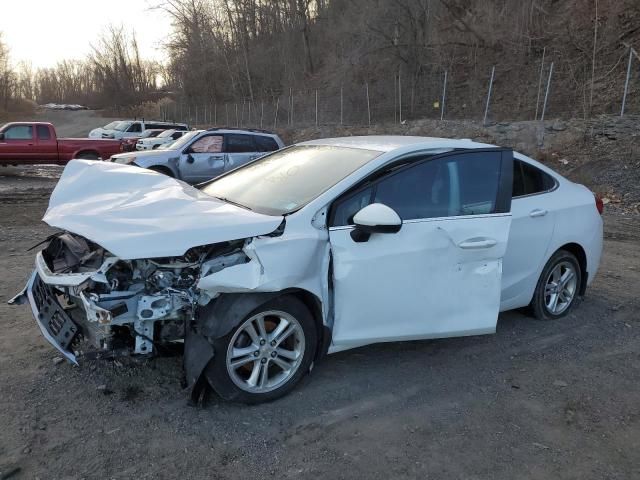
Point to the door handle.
(538, 212)
(477, 243)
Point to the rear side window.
(19, 132)
(265, 144)
(43, 132)
(455, 185)
(135, 127)
(236, 143)
(529, 180)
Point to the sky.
(44, 32)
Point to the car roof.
(388, 143)
(250, 131)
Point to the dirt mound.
(603, 153)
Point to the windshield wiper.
(232, 202)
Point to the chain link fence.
(504, 93)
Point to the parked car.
(320, 247)
(201, 155)
(129, 144)
(37, 142)
(64, 106)
(133, 128)
(164, 138)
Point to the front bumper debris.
(52, 319)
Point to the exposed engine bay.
(124, 307)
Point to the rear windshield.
(288, 179)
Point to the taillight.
(599, 203)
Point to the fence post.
(237, 116)
(261, 112)
(626, 82)
(249, 114)
(486, 107)
(275, 120)
(546, 93)
(196, 114)
(290, 106)
(215, 114)
(368, 105)
(399, 97)
(341, 103)
(444, 96)
(395, 98)
(544, 50)
(316, 107)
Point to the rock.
(101, 387)
(559, 126)
(58, 360)
(560, 383)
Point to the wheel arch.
(227, 311)
(579, 252)
(79, 153)
(221, 316)
(162, 169)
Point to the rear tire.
(558, 287)
(266, 355)
(88, 156)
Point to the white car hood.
(137, 213)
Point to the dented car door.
(203, 160)
(440, 274)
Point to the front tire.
(558, 287)
(266, 355)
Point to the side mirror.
(375, 218)
(1, 135)
(189, 158)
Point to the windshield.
(166, 133)
(287, 180)
(110, 126)
(182, 141)
(121, 126)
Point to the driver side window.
(450, 186)
(207, 144)
(19, 132)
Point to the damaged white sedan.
(320, 247)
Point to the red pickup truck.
(36, 142)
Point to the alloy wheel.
(560, 288)
(265, 351)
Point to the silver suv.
(201, 155)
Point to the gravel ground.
(538, 400)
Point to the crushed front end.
(88, 302)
